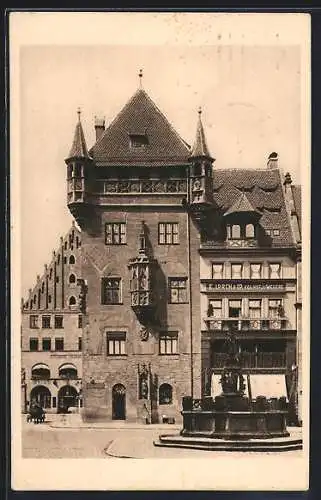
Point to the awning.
(67, 366)
(40, 366)
(270, 386)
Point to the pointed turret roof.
(242, 204)
(79, 147)
(200, 147)
(140, 118)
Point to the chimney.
(273, 161)
(99, 127)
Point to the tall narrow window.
(255, 309)
(115, 233)
(116, 343)
(46, 344)
(59, 344)
(79, 343)
(33, 344)
(168, 233)
(80, 321)
(72, 279)
(71, 259)
(46, 321)
(110, 291)
(236, 232)
(249, 231)
(274, 270)
(168, 343)
(236, 271)
(275, 308)
(59, 321)
(33, 321)
(217, 271)
(255, 271)
(177, 290)
(235, 308)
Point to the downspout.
(190, 284)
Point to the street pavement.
(61, 438)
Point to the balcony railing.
(245, 324)
(253, 360)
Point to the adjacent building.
(51, 340)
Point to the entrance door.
(67, 397)
(119, 402)
(42, 395)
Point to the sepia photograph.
(160, 229)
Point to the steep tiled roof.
(296, 191)
(241, 204)
(79, 147)
(200, 147)
(140, 116)
(264, 192)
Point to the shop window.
(177, 290)
(168, 343)
(116, 343)
(165, 394)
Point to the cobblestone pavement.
(45, 441)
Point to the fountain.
(233, 421)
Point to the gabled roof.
(200, 147)
(242, 204)
(79, 147)
(140, 116)
(263, 189)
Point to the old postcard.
(160, 197)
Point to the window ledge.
(116, 356)
(176, 355)
(115, 304)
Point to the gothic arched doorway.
(42, 395)
(119, 402)
(67, 397)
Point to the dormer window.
(243, 231)
(138, 141)
(249, 231)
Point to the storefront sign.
(236, 287)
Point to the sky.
(249, 94)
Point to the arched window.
(72, 278)
(165, 394)
(68, 371)
(249, 231)
(71, 259)
(42, 287)
(40, 371)
(236, 232)
(72, 301)
(198, 169)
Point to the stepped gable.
(70, 244)
(140, 117)
(263, 189)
